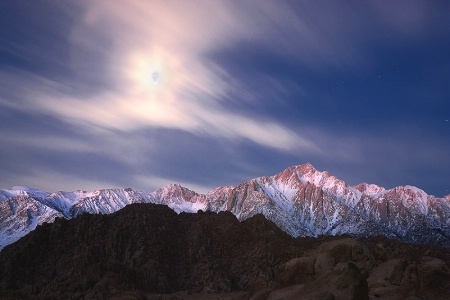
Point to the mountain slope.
(148, 251)
(306, 202)
(300, 200)
(145, 247)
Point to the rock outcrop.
(147, 251)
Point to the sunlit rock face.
(305, 202)
(301, 200)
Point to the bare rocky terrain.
(147, 251)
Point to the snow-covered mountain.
(306, 202)
(300, 200)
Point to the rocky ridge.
(147, 251)
(300, 200)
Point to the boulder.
(389, 272)
(285, 293)
(347, 249)
(324, 263)
(345, 282)
(296, 270)
(434, 278)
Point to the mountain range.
(300, 200)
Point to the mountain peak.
(369, 189)
(175, 190)
(305, 168)
(306, 173)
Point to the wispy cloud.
(160, 74)
(153, 183)
(65, 180)
(156, 62)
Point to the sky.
(140, 94)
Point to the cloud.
(404, 17)
(159, 74)
(153, 183)
(66, 181)
(48, 142)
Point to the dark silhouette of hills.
(147, 251)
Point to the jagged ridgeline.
(147, 251)
(300, 200)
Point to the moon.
(155, 76)
(146, 73)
